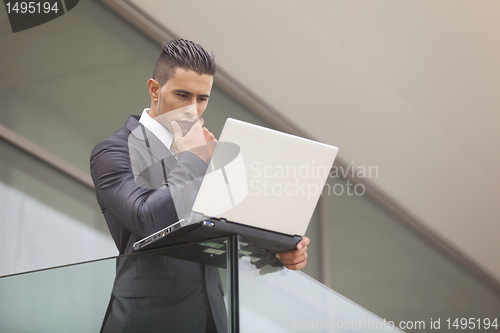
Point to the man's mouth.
(185, 121)
(185, 125)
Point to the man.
(146, 176)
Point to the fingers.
(295, 259)
(177, 129)
(198, 140)
(303, 242)
(196, 126)
(296, 267)
(209, 137)
(296, 262)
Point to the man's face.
(183, 99)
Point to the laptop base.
(214, 228)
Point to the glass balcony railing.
(259, 295)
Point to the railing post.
(232, 261)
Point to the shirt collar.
(161, 132)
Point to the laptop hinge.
(197, 217)
(191, 219)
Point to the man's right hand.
(198, 140)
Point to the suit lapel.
(151, 143)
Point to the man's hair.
(184, 54)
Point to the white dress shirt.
(160, 131)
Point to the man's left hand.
(295, 259)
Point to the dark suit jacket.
(141, 188)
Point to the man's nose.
(190, 110)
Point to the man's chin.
(185, 128)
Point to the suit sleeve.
(140, 209)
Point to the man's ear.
(154, 90)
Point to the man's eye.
(203, 99)
(182, 95)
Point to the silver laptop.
(261, 184)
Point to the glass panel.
(382, 265)
(66, 299)
(75, 298)
(47, 218)
(275, 299)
